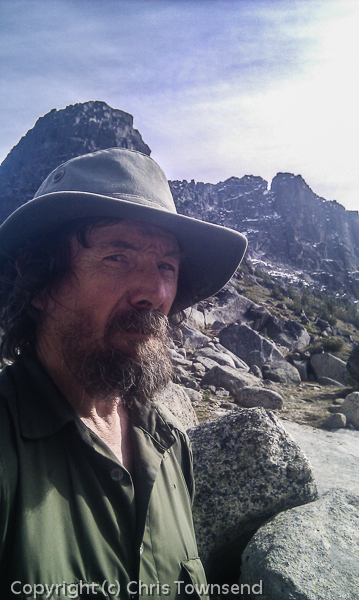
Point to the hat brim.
(212, 253)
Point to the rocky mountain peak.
(292, 192)
(57, 137)
(315, 230)
(288, 226)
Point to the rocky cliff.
(287, 225)
(57, 137)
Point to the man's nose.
(148, 290)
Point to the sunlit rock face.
(315, 230)
(287, 225)
(57, 137)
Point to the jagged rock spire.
(57, 137)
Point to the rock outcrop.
(175, 398)
(247, 468)
(353, 363)
(57, 137)
(290, 334)
(335, 421)
(327, 365)
(281, 372)
(230, 379)
(249, 345)
(287, 224)
(309, 552)
(350, 408)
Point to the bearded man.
(96, 479)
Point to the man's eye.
(167, 267)
(115, 257)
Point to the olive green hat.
(126, 184)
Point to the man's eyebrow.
(175, 254)
(121, 244)
(124, 245)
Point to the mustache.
(146, 322)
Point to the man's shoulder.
(176, 427)
(172, 421)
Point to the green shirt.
(72, 518)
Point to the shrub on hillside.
(332, 344)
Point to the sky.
(217, 88)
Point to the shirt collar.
(149, 418)
(43, 409)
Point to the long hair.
(35, 269)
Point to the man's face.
(111, 307)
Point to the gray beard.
(136, 372)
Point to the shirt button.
(116, 474)
(141, 549)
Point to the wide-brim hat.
(127, 184)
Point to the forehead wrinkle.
(125, 245)
(138, 245)
(118, 245)
(131, 232)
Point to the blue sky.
(217, 87)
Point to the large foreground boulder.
(307, 553)
(247, 469)
(251, 347)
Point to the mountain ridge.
(286, 224)
(290, 228)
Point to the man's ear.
(40, 301)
